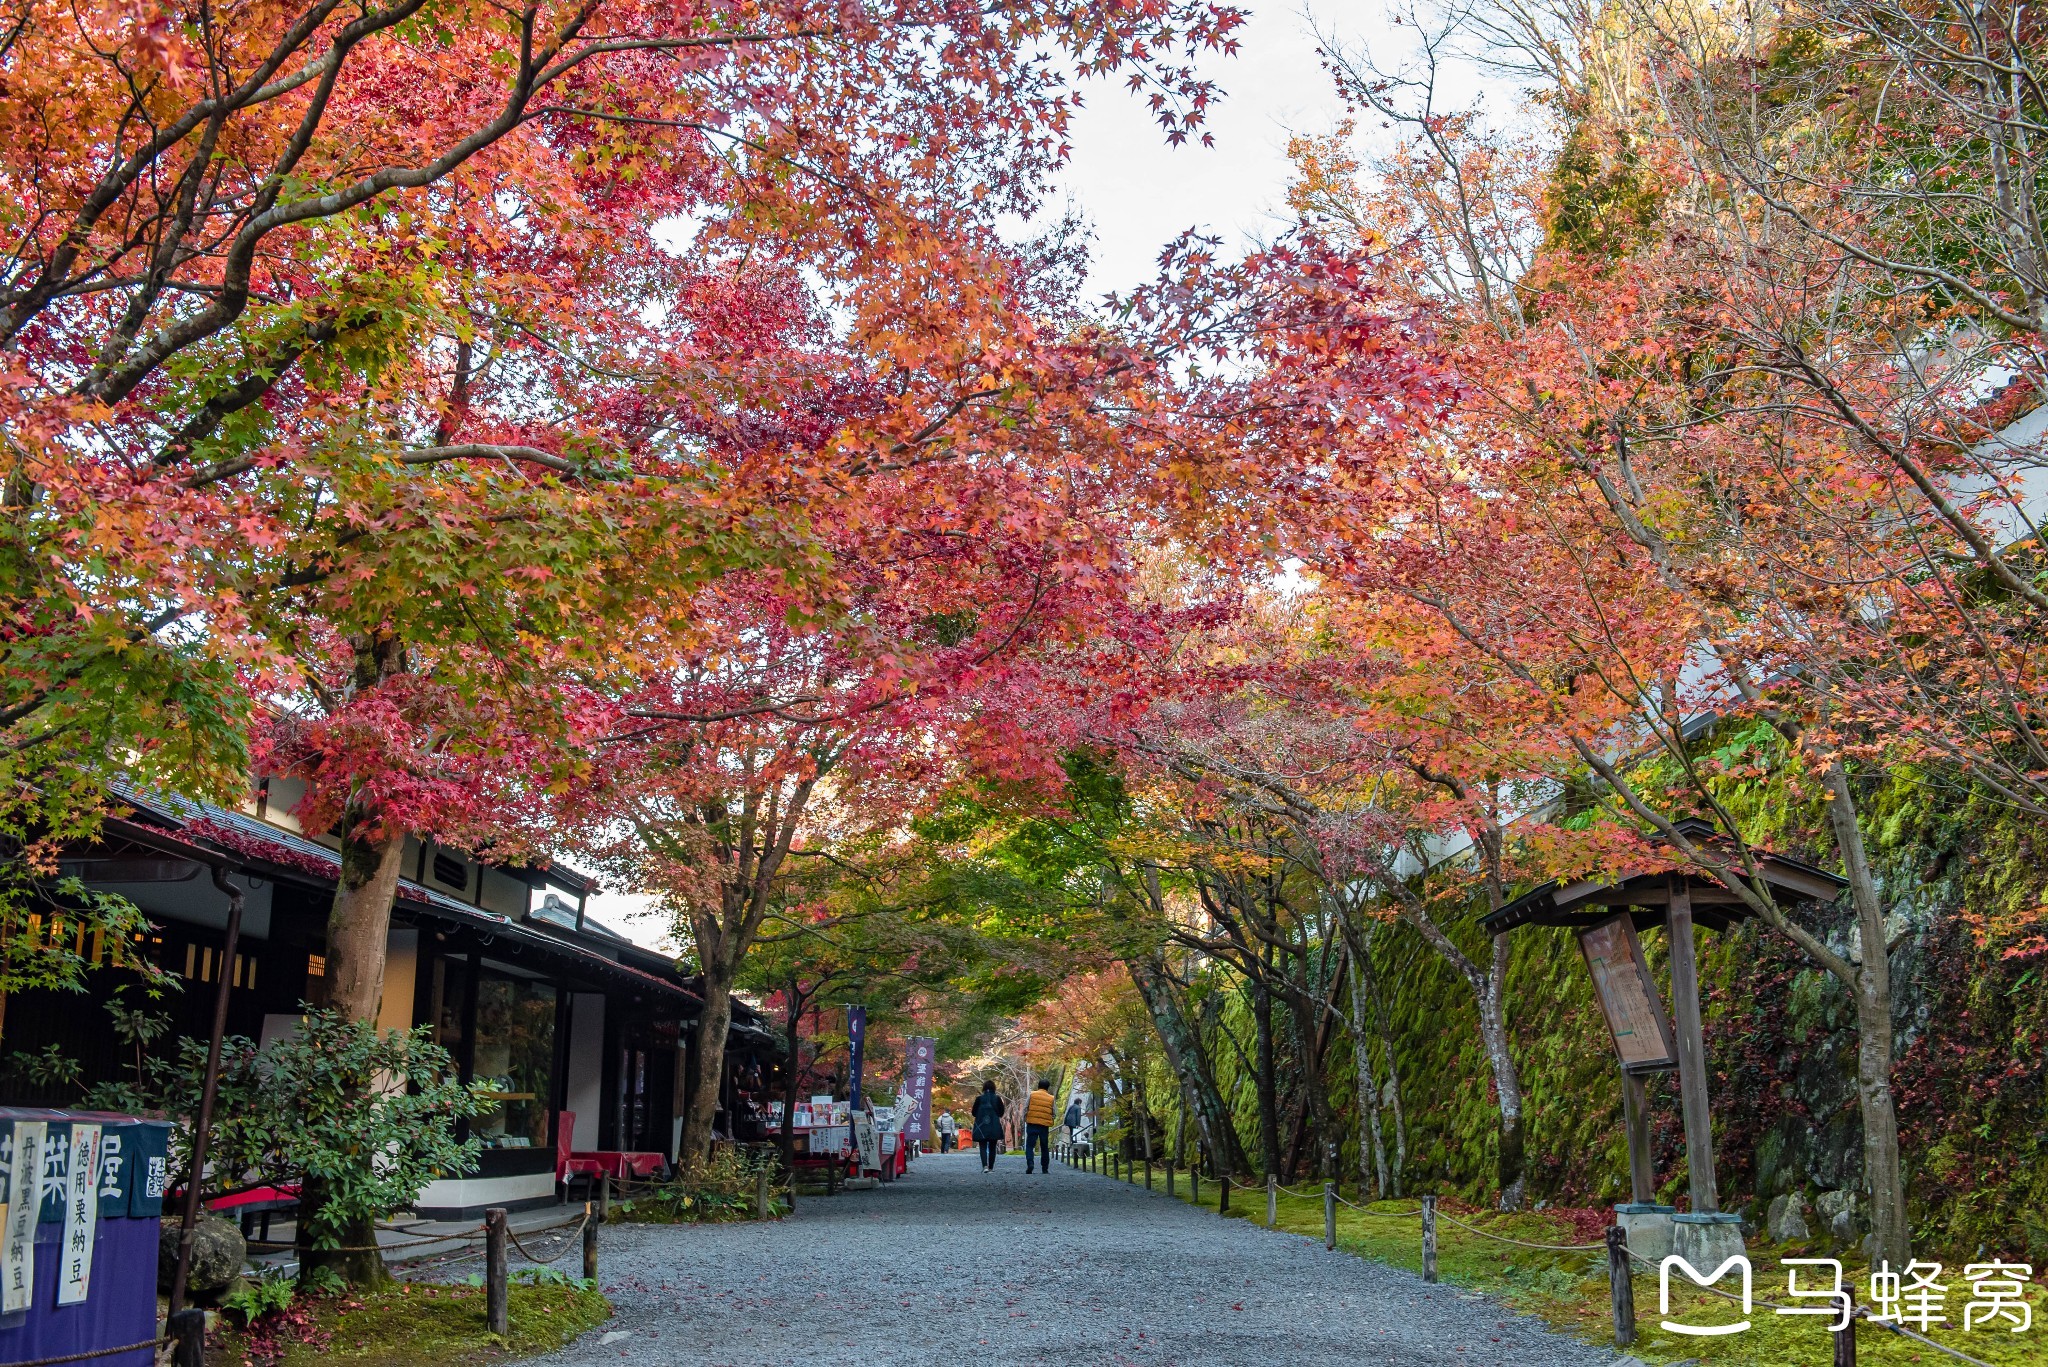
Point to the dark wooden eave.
(1646, 895)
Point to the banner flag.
(856, 1048)
(917, 1080)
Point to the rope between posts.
(573, 1243)
(95, 1353)
(1864, 1314)
(1383, 1214)
(1443, 1214)
(1860, 1312)
(453, 1236)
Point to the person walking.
(949, 1132)
(988, 1124)
(1038, 1118)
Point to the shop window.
(515, 1060)
(203, 964)
(449, 1008)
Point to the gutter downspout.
(203, 1124)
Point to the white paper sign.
(81, 1214)
(18, 1255)
(864, 1136)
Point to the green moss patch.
(1569, 1290)
(414, 1323)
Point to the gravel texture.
(951, 1264)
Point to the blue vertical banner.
(917, 1081)
(856, 1048)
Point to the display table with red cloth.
(618, 1162)
(255, 1196)
(253, 1208)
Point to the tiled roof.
(245, 836)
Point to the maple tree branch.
(425, 455)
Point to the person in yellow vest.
(1038, 1118)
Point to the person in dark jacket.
(988, 1124)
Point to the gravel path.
(1070, 1268)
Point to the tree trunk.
(1487, 990)
(1871, 987)
(1372, 1144)
(1200, 1096)
(359, 921)
(1266, 1078)
(358, 933)
(1400, 1164)
(712, 1028)
(1312, 1116)
(356, 1261)
(1507, 1083)
(790, 1081)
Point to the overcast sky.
(1140, 193)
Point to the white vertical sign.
(18, 1253)
(81, 1214)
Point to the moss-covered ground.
(414, 1323)
(1570, 1291)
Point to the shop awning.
(214, 835)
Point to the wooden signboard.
(1628, 996)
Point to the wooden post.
(188, 1334)
(1621, 1286)
(1169, 1177)
(1845, 1337)
(1429, 1238)
(1635, 1115)
(1692, 1051)
(761, 1195)
(589, 1245)
(209, 1091)
(1330, 1215)
(1195, 1184)
(604, 1196)
(497, 1309)
(1223, 1194)
(1272, 1201)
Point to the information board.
(1628, 995)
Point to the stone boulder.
(1785, 1220)
(218, 1252)
(1840, 1213)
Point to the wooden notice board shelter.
(1607, 914)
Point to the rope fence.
(452, 1236)
(95, 1353)
(1623, 1262)
(1521, 1243)
(574, 1241)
